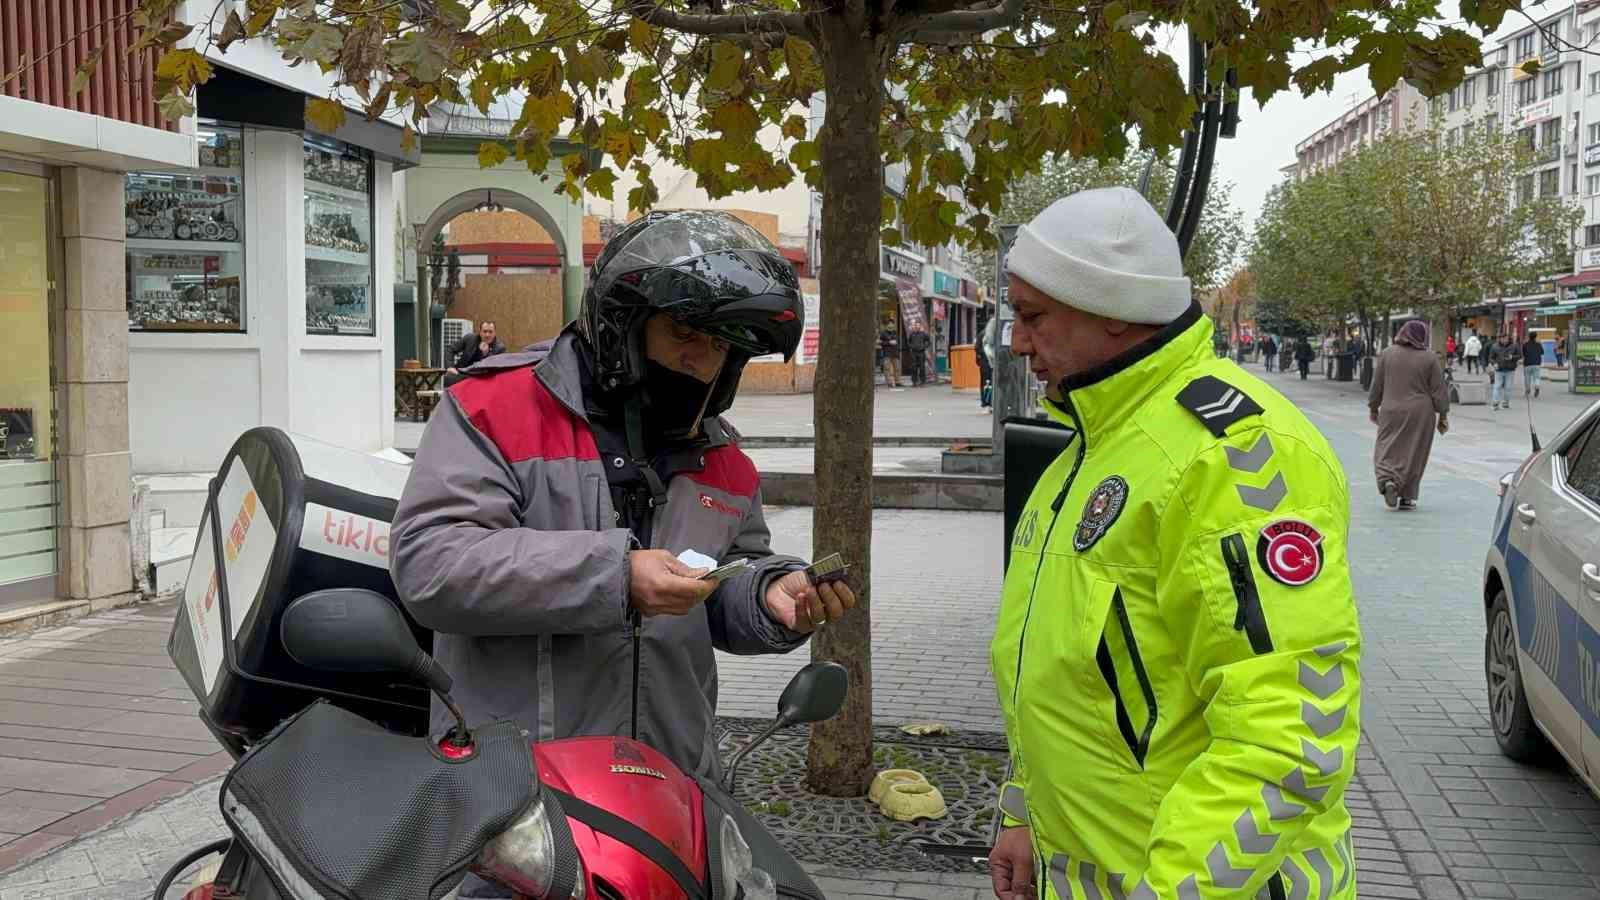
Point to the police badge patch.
(1105, 504)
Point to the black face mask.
(672, 401)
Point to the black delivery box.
(297, 515)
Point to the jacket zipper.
(1250, 619)
(1055, 515)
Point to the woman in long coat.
(1409, 401)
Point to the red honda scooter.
(312, 676)
(610, 818)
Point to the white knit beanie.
(1107, 252)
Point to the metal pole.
(421, 313)
(1011, 374)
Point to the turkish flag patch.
(1291, 552)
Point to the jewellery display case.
(185, 241)
(338, 223)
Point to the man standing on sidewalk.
(917, 343)
(889, 354)
(1269, 349)
(1188, 551)
(1532, 366)
(1505, 356)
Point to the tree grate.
(968, 767)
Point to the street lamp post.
(422, 310)
(1010, 373)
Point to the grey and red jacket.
(506, 544)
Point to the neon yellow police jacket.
(1177, 653)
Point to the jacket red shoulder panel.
(519, 415)
(729, 470)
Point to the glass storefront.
(185, 245)
(339, 286)
(28, 489)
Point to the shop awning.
(1589, 276)
(1561, 309)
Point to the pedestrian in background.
(1532, 365)
(473, 347)
(1505, 356)
(1450, 348)
(1408, 402)
(986, 365)
(889, 354)
(1303, 354)
(1485, 350)
(1269, 350)
(917, 343)
(1472, 352)
(1561, 350)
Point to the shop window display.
(28, 492)
(185, 246)
(338, 210)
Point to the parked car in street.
(1542, 599)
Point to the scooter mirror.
(815, 693)
(349, 630)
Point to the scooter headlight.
(524, 858)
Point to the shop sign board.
(1591, 155)
(898, 265)
(1589, 258)
(1534, 112)
(945, 284)
(1585, 349)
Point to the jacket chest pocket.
(1097, 651)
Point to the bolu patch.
(1104, 505)
(1291, 552)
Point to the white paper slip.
(694, 559)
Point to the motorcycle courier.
(317, 680)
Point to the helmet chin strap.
(711, 388)
(633, 419)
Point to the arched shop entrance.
(450, 182)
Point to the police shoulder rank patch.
(1291, 552)
(1217, 404)
(1100, 511)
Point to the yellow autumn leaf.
(794, 127)
(735, 120)
(546, 113)
(491, 154)
(642, 36)
(726, 62)
(327, 116)
(600, 183)
(185, 68)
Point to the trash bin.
(1346, 367)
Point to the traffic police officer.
(1177, 653)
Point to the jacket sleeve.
(737, 609)
(1282, 693)
(464, 564)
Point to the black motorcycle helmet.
(708, 271)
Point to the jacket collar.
(1107, 396)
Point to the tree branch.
(942, 27)
(723, 24)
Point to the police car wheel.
(1514, 730)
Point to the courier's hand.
(1444, 425)
(660, 584)
(1011, 865)
(798, 606)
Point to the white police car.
(1542, 596)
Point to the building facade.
(1402, 109)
